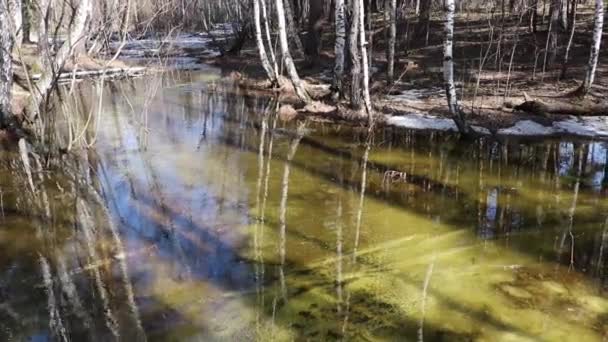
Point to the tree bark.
(291, 27)
(392, 36)
(595, 48)
(53, 67)
(291, 68)
(572, 29)
(448, 68)
(26, 14)
(315, 25)
(340, 19)
(43, 27)
(6, 64)
(355, 62)
(16, 10)
(365, 60)
(260, 42)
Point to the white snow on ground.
(527, 127)
(422, 121)
(593, 127)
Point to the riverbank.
(416, 100)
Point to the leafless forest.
(362, 48)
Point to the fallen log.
(539, 107)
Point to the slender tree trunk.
(291, 27)
(16, 10)
(273, 58)
(355, 62)
(572, 29)
(315, 25)
(424, 20)
(26, 14)
(365, 60)
(6, 64)
(448, 68)
(340, 18)
(555, 26)
(392, 36)
(76, 36)
(291, 68)
(260, 42)
(595, 48)
(43, 27)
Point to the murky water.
(200, 215)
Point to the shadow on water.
(200, 215)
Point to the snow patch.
(422, 121)
(527, 127)
(591, 127)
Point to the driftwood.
(539, 107)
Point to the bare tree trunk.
(291, 27)
(340, 18)
(392, 35)
(16, 10)
(365, 60)
(26, 14)
(424, 20)
(260, 42)
(595, 48)
(448, 68)
(6, 63)
(43, 27)
(76, 36)
(355, 62)
(315, 25)
(572, 29)
(555, 27)
(273, 58)
(291, 68)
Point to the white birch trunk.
(595, 47)
(291, 68)
(364, 59)
(355, 61)
(340, 14)
(6, 63)
(75, 36)
(448, 67)
(392, 36)
(260, 42)
(273, 58)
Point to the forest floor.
(493, 72)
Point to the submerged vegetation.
(235, 170)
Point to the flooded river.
(199, 215)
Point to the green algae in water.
(218, 238)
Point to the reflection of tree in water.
(336, 298)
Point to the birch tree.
(595, 48)
(340, 17)
(289, 65)
(260, 42)
(365, 60)
(392, 35)
(291, 27)
(355, 63)
(6, 64)
(448, 67)
(76, 35)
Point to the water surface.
(198, 214)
